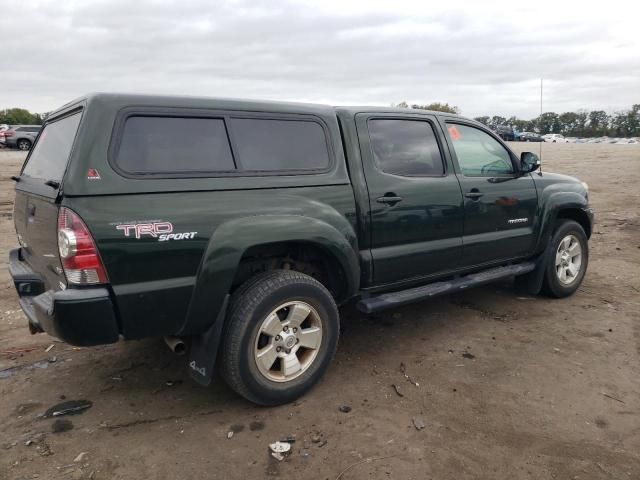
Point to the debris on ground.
(403, 370)
(80, 457)
(70, 407)
(61, 425)
(397, 389)
(316, 438)
(418, 422)
(171, 383)
(279, 450)
(48, 349)
(289, 439)
(612, 397)
(468, 355)
(230, 434)
(344, 408)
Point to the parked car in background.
(21, 136)
(4, 127)
(505, 133)
(530, 137)
(554, 138)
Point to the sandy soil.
(552, 390)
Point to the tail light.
(78, 253)
(8, 133)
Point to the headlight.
(586, 186)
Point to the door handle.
(389, 199)
(474, 194)
(31, 209)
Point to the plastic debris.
(230, 434)
(48, 349)
(70, 407)
(277, 456)
(344, 408)
(280, 447)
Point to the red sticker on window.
(453, 131)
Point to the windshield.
(48, 159)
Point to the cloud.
(485, 58)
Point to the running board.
(395, 299)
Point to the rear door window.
(405, 147)
(49, 157)
(174, 145)
(278, 145)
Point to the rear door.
(36, 207)
(414, 197)
(500, 204)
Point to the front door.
(500, 204)
(414, 197)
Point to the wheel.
(567, 261)
(24, 144)
(279, 338)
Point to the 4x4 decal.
(163, 231)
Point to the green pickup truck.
(235, 228)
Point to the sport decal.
(163, 231)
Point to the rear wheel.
(280, 336)
(24, 144)
(567, 262)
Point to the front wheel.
(279, 338)
(567, 261)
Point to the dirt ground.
(508, 387)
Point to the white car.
(554, 138)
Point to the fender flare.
(551, 206)
(231, 239)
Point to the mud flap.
(531, 283)
(204, 349)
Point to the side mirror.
(529, 162)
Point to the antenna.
(540, 156)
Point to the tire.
(23, 144)
(567, 234)
(261, 307)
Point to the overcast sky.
(487, 58)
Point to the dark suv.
(238, 227)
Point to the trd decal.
(163, 231)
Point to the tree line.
(583, 123)
(20, 116)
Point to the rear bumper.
(81, 317)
